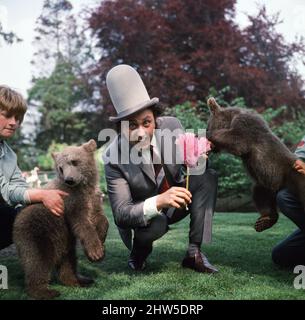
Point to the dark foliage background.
(185, 51)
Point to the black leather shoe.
(138, 256)
(136, 264)
(199, 263)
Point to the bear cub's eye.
(74, 163)
(61, 170)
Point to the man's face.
(141, 128)
(8, 125)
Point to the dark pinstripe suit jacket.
(129, 185)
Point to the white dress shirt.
(150, 204)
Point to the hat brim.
(126, 113)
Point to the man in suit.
(291, 251)
(147, 196)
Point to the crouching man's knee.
(281, 257)
(157, 227)
(276, 256)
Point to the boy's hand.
(176, 197)
(299, 165)
(53, 200)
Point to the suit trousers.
(291, 251)
(204, 192)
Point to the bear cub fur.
(269, 162)
(46, 242)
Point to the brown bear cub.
(269, 162)
(46, 242)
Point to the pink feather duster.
(192, 148)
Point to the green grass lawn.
(242, 256)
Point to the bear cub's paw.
(264, 223)
(95, 252)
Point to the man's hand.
(299, 165)
(176, 197)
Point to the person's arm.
(16, 191)
(127, 212)
(299, 164)
(300, 150)
(150, 208)
(13, 191)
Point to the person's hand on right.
(299, 165)
(176, 197)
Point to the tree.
(50, 34)
(61, 91)
(182, 48)
(59, 35)
(267, 56)
(58, 96)
(8, 36)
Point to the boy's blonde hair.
(12, 102)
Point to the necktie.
(161, 180)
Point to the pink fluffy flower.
(192, 148)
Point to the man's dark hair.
(156, 109)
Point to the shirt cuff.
(150, 208)
(26, 197)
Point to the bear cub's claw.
(95, 254)
(264, 223)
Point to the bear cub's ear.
(90, 146)
(213, 105)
